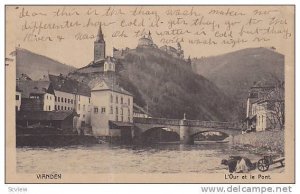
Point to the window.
(83, 116)
(65, 100)
(69, 101)
(89, 100)
(65, 108)
(55, 107)
(17, 97)
(111, 110)
(128, 115)
(49, 107)
(58, 107)
(79, 107)
(121, 100)
(58, 99)
(111, 98)
(34, 97)
(117, 99)
(55, 99)
(68, 108)
(103, 110)
(96, 110)
(121, 111)
(83, 107)
(116, 117)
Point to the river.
(107, 158)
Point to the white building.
(109, 65)
(72, 95)
(263, 108)
(36, 95)
(18, 100)
(112, 112)
(270, 115)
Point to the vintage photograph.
(165, 94)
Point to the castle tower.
(149, 35)
(189, 61)
(178, 46)
(180, 51)
(99, 46)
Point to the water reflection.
(155, 158)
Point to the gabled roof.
(64, 84)
(24, 77)
(28, 87)
(110, 84)
(100, 63)
(44, 115)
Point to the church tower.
(99, 46)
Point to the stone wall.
(271, 140)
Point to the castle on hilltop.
(146, 41)
(173, 51)
(103, 63)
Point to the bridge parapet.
(191, 123)
(159, 121)
(213, 124)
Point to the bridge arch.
(210, 135)
(159, 134)
(186, 129)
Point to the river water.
(104, 158)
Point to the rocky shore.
(265, 142)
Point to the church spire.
(99, 46)
(100, 34)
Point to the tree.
(276, 106)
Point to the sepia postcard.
(150, 94)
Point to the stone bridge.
(186, 129)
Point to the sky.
(67, 34)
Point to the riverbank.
(264, 142)
(54, 140)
